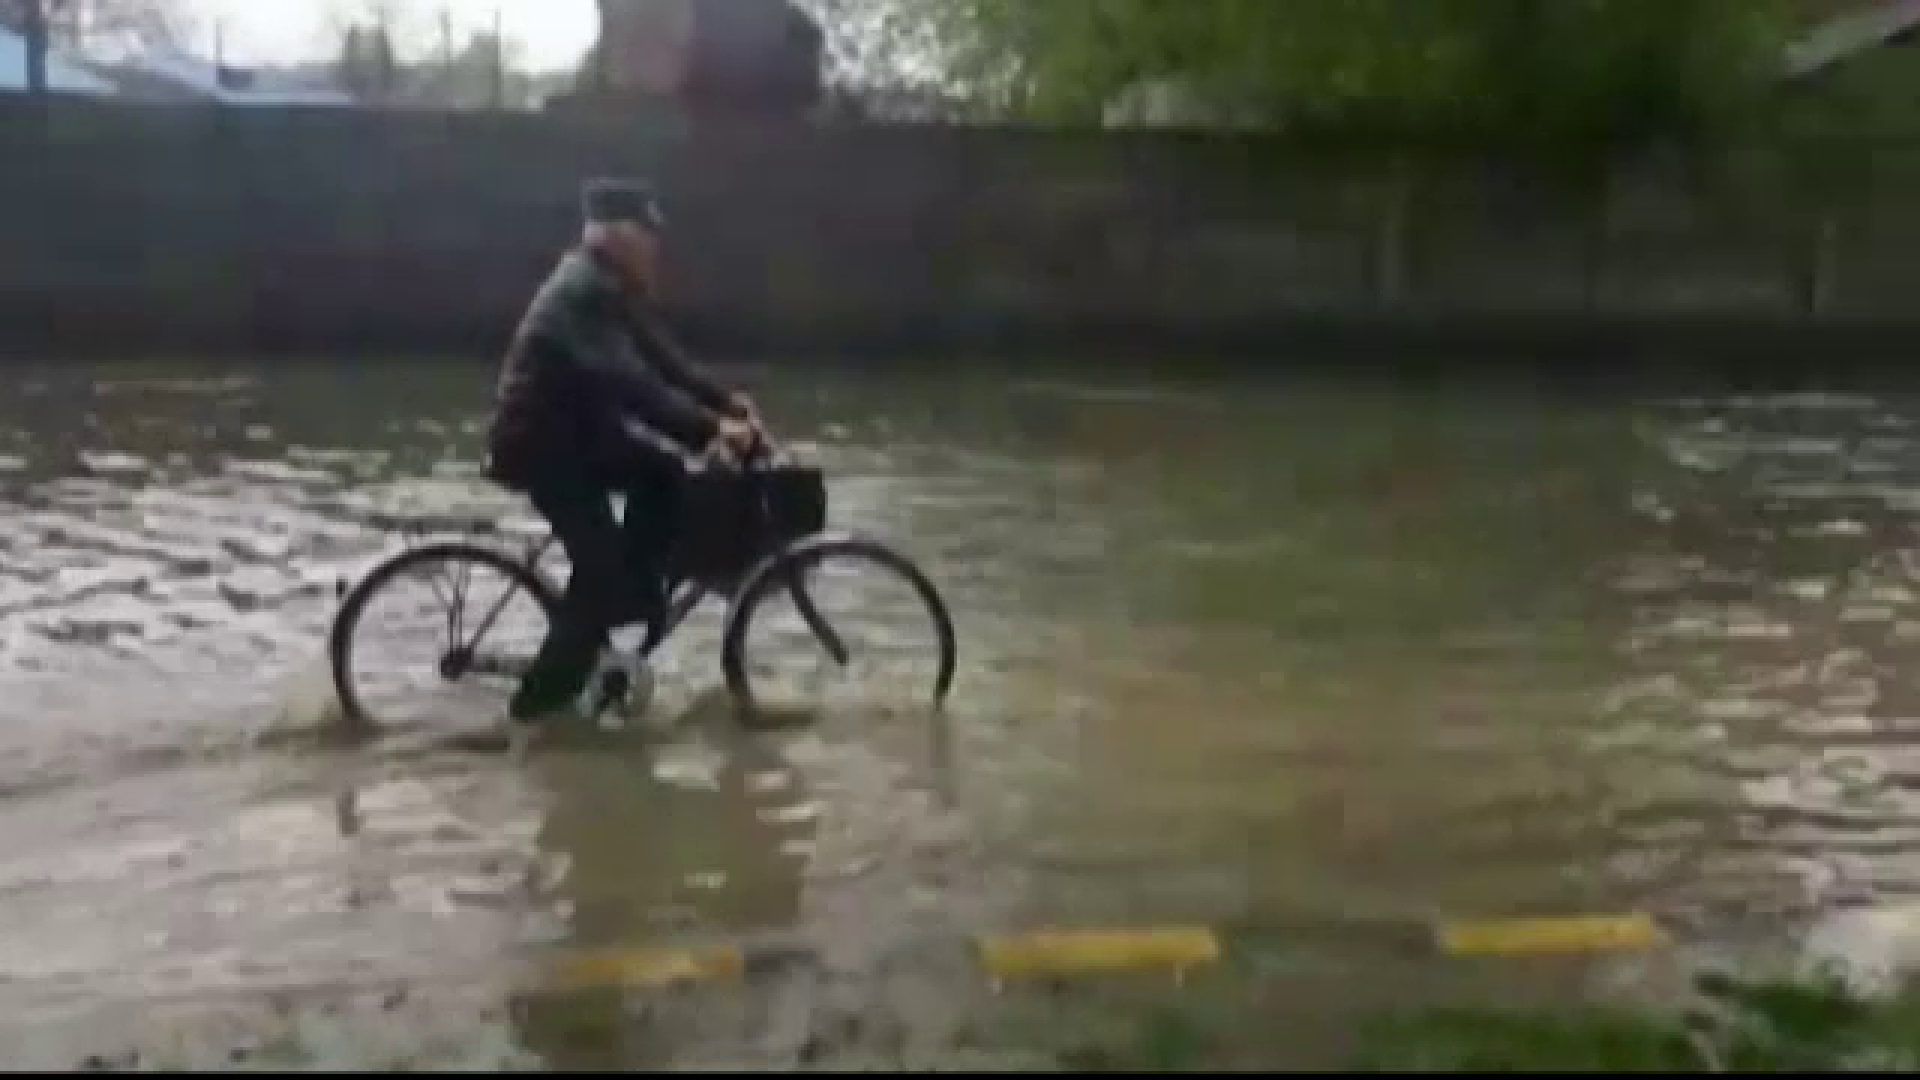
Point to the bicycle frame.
(684, 597)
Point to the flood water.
(1312, 661)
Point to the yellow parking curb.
(1518, 937)
(1062, 952)
(650, 966)
(1176, 948)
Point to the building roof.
(193, 77)
(1850, 29)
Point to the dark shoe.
(529, 706)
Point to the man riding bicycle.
(594, 398)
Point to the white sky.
(552, 33)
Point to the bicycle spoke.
(487, 623)
(459, 603)
(452, 604)
(433, 583)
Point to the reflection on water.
(1282, 655)
(1770, 654)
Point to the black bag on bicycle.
(735, 518)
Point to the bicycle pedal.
(615, 684)
(609, 694)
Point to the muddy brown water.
(1317, 662)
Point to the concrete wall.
(127, 229)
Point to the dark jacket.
(588, 361)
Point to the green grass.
(1818, 1025)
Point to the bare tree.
(885, 60)
(486, 72)
(406, 53)
(370, 35)
(407, 26)
(760, 57)
(367, 68)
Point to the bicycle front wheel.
(441, 617)
(859, 619)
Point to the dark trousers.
(618, 574)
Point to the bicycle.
(748, 531)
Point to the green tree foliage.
(1585, 69)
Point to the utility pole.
(499, 87)
(36, 35)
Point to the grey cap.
(614, 199)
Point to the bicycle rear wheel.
(895, 615)
(476, 627)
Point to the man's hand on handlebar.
(745, 409)
(736, 439)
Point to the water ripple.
(1244, 653)
(1773, 605)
